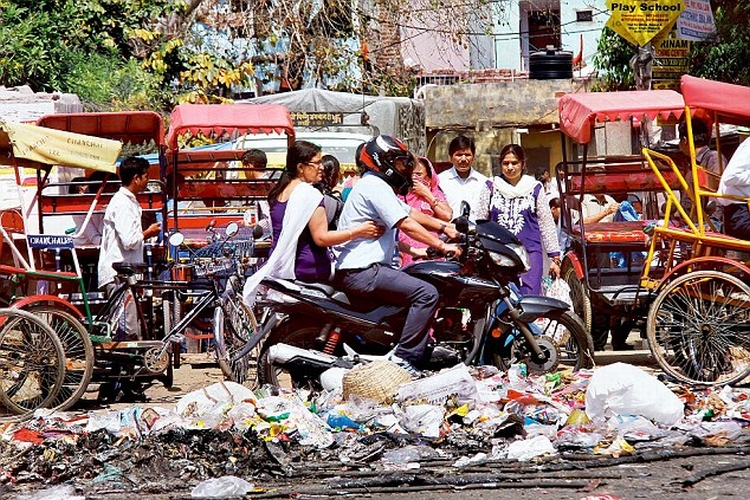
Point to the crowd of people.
(356, 232)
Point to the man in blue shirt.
(363, 265)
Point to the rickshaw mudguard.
(535, 306)
(26, 303)
(706, 262)
(576, 263)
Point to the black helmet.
(380, 155)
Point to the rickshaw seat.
(613, 232)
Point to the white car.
(342, 145)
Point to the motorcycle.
(481, 317)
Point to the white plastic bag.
(222, 487)
(527, 449)
(622, 389)
(559, 290)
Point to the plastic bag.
(222, 487)
(559, 290)
(622, 389)
(527, 449)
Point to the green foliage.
(612, 62)
(725, 58)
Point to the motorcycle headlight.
(502, 260)
(522, 254)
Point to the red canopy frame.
(730, 103)
(134, 127)
(580, 112)
(230, 119)
(137, 128)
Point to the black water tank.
(551, 64)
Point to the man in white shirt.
(363, 265)
(735, 180)
(461, 182)
(122, 238)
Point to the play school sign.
(639, 21)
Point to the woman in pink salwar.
(427, 197)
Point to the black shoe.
(623, 347)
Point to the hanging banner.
(670, 61)
(639, 21)
(56, 147)
(696, 23)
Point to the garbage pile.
(460, 417)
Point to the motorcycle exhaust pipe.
(289, 355)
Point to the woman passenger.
(427, 197)
(517, 202)
(301, 238)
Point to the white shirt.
(371, 199)
(590, 206)
(458, 189)
(122, 234)
(736, 177)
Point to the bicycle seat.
(129, 268)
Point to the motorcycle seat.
(331, 292)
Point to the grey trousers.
(127, 327)
(390, 286)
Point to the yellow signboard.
(670, 61)
(56, 147)
(639, 21)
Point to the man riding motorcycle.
(363, 267)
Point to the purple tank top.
(313, 263)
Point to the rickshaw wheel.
(78, 349)
(698, 326)
(32, 364)
(578, 295)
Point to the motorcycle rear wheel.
(300, 333)
(575, 345)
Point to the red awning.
(579, 112)
(231, 119)
(130, 127)
(730, 102)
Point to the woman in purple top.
(517, 202)
(298, 207)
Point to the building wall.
(494, 114)
(511, 31)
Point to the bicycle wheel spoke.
(696, 328)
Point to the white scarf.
(301, 204)
(525, 185)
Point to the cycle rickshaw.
(53, 284)
(605, 260)
(698, 324)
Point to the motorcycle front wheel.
(561, 335)
(297, 332)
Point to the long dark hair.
(331, 171)
(299, 152)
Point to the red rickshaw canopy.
(580, 112)
(134, 127)
(232, 119)
(730, 102)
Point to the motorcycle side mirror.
(176, 239)
(465, 209)
(211, 225)
(232, 229)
